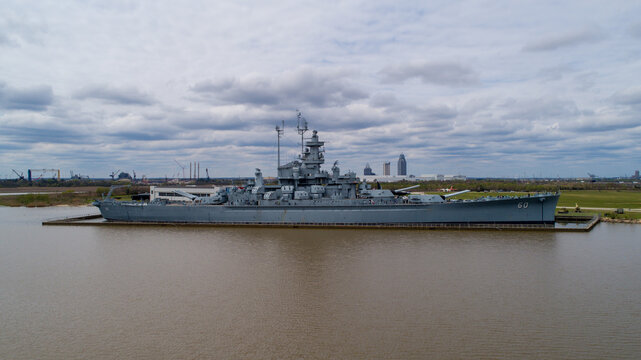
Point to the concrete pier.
(580, 224)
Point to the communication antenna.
(301, 128)
(280, 131)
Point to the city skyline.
(497, 89)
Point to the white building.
(167, 193)
(440, 177)
(382, 179)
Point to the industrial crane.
(20, 176)
(113, 174)
(182, 166)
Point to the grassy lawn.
(68, 197)
(601, 199)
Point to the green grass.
(40, 200)
(601, 199)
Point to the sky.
(478, 88)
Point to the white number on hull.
(523, 205)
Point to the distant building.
(431, 177)
(124, 176)
(368, 170)
(636, 174)
(386, 169)
(402, 166)
(441, 177)
(168, 193)
(386, 179)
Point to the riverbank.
(621, 221)
(47, 189)
(48, 196)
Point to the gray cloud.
(141, 135)
(438, 112)
(13, 146)
(541, 109)
(17, 30)
(635, 30)
(36, 98)
(439, 73)
(383, 100)
(304, 86)
(627, 97)
(111, 95)
(45, 133)
(604, 123)
(557, 41)
(553, 73)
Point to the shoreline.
(621, 221)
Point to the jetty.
(561, 224)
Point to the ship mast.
(279, 132)
(301, 128)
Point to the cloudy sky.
(480, 88)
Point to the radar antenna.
(279, 132)
(301, 128)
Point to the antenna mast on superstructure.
(280, 131)
(301, 128)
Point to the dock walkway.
(579, 224)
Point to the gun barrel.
(456, 193)
(408, 188)
(185, 194)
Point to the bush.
(34, 199)
(102, 191)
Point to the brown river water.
(256, 293)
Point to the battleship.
(307, 195)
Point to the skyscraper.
(368, 170)
(386, 169)
(402, 166)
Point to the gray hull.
(538, 209)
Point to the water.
(251, 293)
